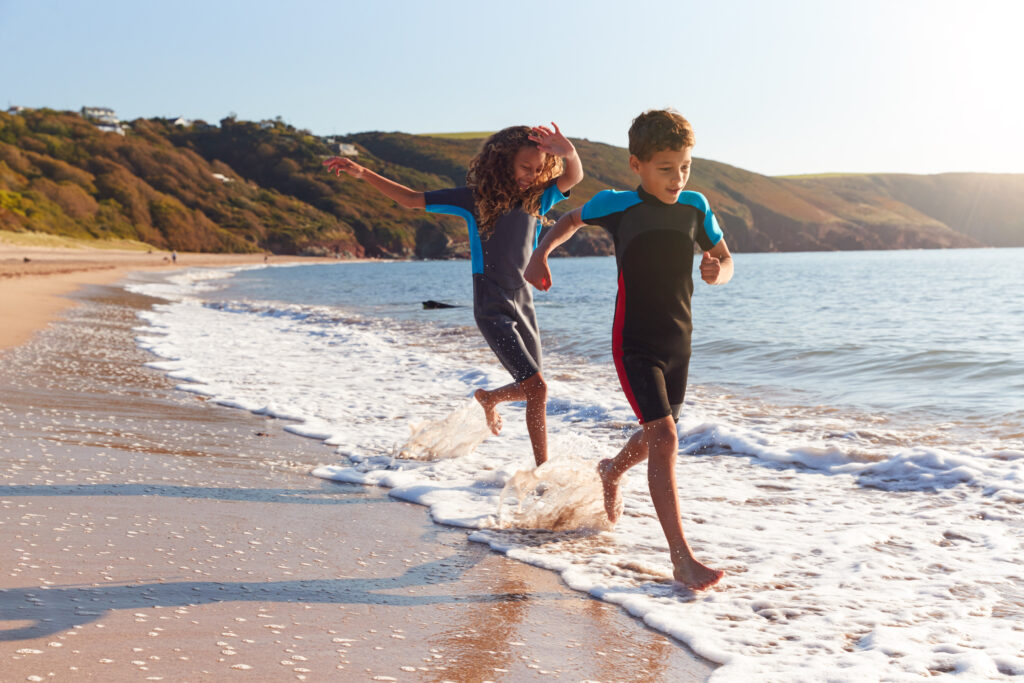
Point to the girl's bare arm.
(553, 142)
(410, 199)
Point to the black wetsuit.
(654, 247)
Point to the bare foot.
(612, 494)
(490, 412)
(697, 576)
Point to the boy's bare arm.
(553, 142)
(537, 272)
(410, 199)
(716, 267)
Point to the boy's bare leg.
(662, 447)
(611, 470)
(533, 390)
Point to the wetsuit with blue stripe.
(502, 301)
(654, 248)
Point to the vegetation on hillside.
(989, 207)
(469, 135)
(243, 186)
(60, 175)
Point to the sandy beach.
(34, 280)
(151, 535)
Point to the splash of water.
(454, 435)
(563, 494)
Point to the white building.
(100, 114)
(347, 150)
(104, 118)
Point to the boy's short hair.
(659, 129)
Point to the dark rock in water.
(437, 304)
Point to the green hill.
(988, 207)
(247, 186)
(60, 175)
(477, 135)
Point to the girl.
(517, 176)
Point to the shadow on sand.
(53, 610)
(325, 496)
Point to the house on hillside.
(100, 114)
(347, 150)
(16, 109)
(181, 122)
(104, 118)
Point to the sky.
(776, 87)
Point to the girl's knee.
(535, 387)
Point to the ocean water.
(851, 448)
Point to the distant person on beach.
(174, 257)
(655, 229)
(516, 177)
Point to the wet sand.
(150, 535)
(34, 281)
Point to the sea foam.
(855, 548)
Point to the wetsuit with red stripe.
(654, 248)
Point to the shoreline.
(35, 282)
(151, 533)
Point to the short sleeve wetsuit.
(502, 302)
(654, 247)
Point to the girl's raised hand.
(552, 141)
(339, 165)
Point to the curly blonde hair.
(493, 179)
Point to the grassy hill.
(477, 135)
(988, 207)
(245, 186)
(60, 175)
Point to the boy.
(655, 229)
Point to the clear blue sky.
(776, 87)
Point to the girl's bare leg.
(490, 400)
(533, 390)
(536, 390)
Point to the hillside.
(988, 207)
(243, 186)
